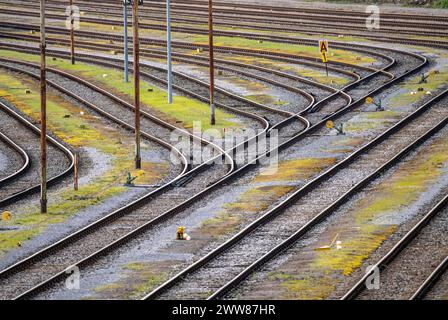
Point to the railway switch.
(378, 104)
(340, 129)
(130, 180)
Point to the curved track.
(22, 154)
(28, 183)
(100, 227)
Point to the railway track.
(232, 17)
(325, 100)
(16, 187)
(289, 58)
(114, 62)
(269, 37)
(126, 238)
(294, 248)
(158, 131)
(280, 227)
(425, 239)
(312, 10)
(94, 238)
(135, 214)
(274, 55)
(198, 89)
(156, 74)
(304, 27)
(221, 64)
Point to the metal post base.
(138, 163)
(43, 205)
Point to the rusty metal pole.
(126, 41)
(72, 33)
(76, 167)
(136, 49)
(212, 63)
(43, 113)
(169, 52)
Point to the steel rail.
(301, 29)
(23, 155)
(344, 95)
(96, 109)
(313, 31)
(235, 21)
(53, 180)
(323, 215)
(312, 104)
(359, 287)
(301, 9)
(128, 106)
(147, 52)
(16, 267)
(431, 281)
